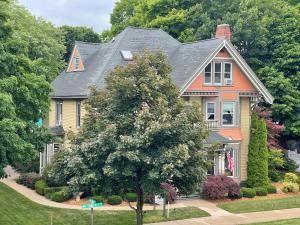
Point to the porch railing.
(212, 124)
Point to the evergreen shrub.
(40, 186)
(114, 200)
(248, 192)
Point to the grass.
(261, 205)
(280, 222)
(15, 209)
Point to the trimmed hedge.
(131, 197)
(40, 186)
(29, 179)
(114, 200)
(271, 189)
(60, 196)
(50, 190)
(98, 198)
(261, 191)
(248, 192)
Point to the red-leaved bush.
(217, 187)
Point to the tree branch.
(135, 209)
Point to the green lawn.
(261, 205)
(15, 209)
(280, 222)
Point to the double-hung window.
(218, 73)
(78, 114)
(228, 113)
(227, 73)
(59, 113)
(210, 111)
(208, 74)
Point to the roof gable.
(75, 63)
(251, 76)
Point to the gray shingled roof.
(215, 137)
(99, 59)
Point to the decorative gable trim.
(241, 63)
(71, 66)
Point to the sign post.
(93, 204)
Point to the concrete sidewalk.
(218, 216)
(222, 217)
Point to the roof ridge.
(89, 43)
(143, 28)
(194, 42)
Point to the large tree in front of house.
(139, 133)
(257, 165)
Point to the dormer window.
(76, 63)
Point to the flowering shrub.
(290, 177)
(217, 187)
(290, 187)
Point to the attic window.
(127, 55)
(76, 63)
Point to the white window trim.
(221, 73)
(78, 113)
(206, 113)
(58, 121)
(233, 114)
(211, 74)
(231, 72)
(76, 62)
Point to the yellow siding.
(245, 129)
(197, 99)
(69, 115)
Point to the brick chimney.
(223, 30)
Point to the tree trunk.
(139, 205)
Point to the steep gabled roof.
(187, 60)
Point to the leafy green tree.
(257, 165)
(265, 32)
(72, 34)
(138, 133)
(30, 57)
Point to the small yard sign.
(93, 204)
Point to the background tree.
(72, 34)
(30, 57)
(265, 32)
(138, 133)
(257, 165)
